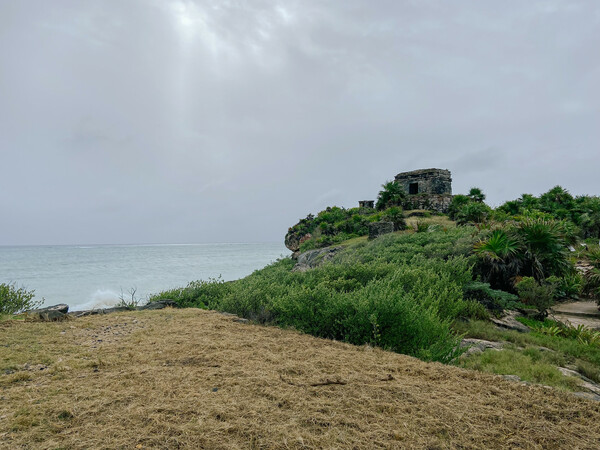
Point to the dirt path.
(197, 379)
(578, 313)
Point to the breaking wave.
(102, 298)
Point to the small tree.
(14, 300)
(392, 194)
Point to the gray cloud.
(200, 121)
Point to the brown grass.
(196, 379)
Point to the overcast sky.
(164, 121)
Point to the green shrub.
(199, 294)
(569, 286)
(492, 299)
(396, 216)
(539, 295)
(14, 300)
(473, 212)
(544, 252)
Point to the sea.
(95, 276)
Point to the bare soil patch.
(197, 379)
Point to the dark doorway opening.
(413, 188)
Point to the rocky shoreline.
(61, 311)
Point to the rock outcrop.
(479, 345)
(49, 313)
(509, 322)
(314, 258)
(293, 240)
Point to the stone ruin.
(429, 189)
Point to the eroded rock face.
(377, 229)
(313, 258)
(293, 240)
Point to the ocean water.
(86, 277)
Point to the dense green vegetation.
(419, 290)
(334, 225)
(400, 292)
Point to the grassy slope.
(192, 378)
(524, 358)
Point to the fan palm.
(498, 257)
(545, 247)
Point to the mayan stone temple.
(427, 188)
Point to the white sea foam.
(102, 298)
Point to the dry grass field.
(197, 379)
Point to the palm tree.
(499, 260)
(544, 250)
(476, 195)
(392, 195)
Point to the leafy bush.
(199, 294)
(14, 300)
(591, 284)
(544, 251)
(531, 292)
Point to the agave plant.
(551, 331)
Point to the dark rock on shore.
(50, 313)
(94, 312)
(61, 312)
